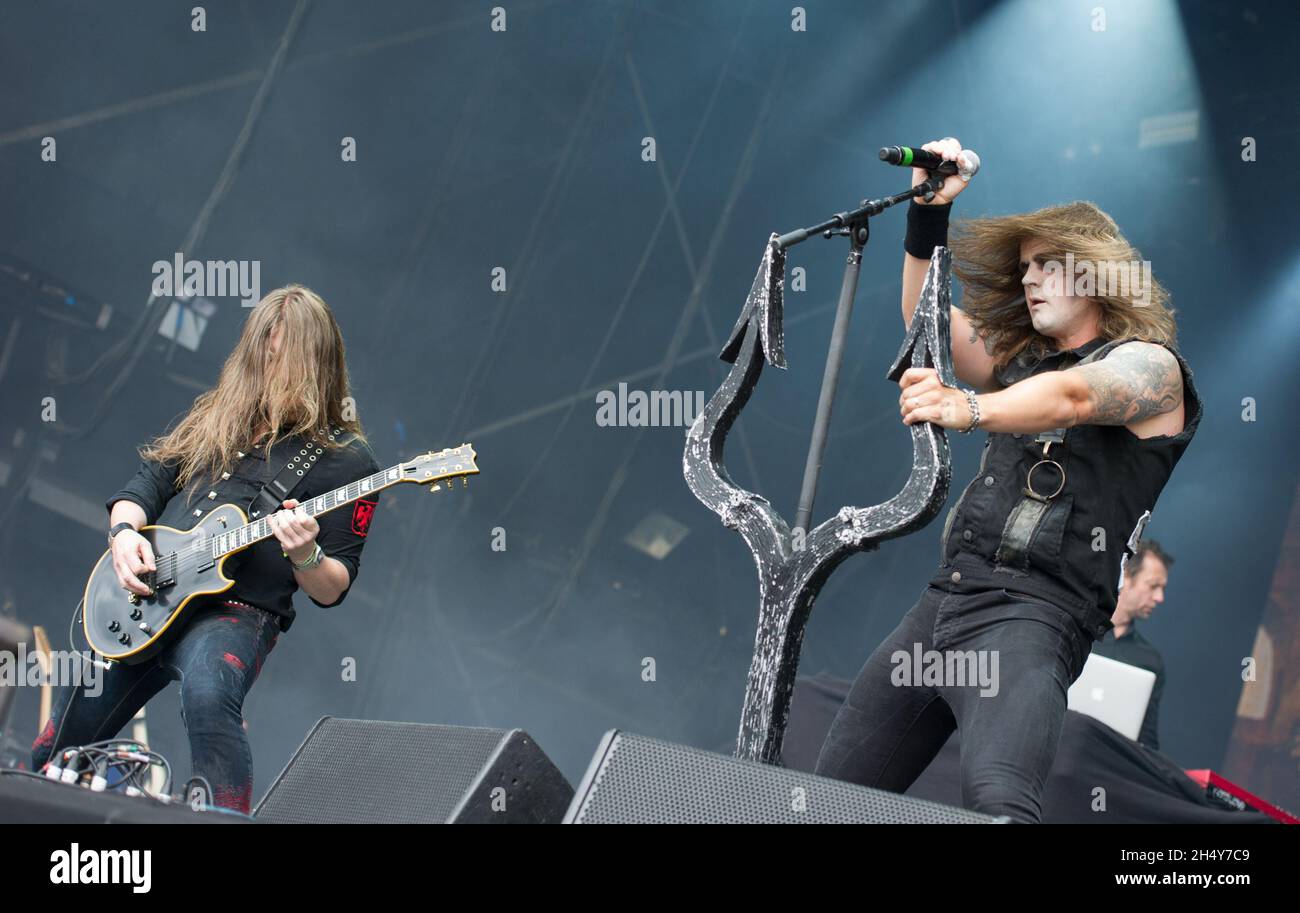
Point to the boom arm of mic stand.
(869, 208)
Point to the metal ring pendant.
(1029, 480)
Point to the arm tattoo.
(988, 343)
(1135, 382)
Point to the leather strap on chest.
(273, 494)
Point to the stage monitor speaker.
(374, 772)
(638, 780)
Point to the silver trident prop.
(793, 568)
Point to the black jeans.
(216, 658)
(894, 722)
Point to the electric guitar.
(128, 627)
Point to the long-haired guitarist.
(285, 383)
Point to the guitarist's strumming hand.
(132, 556)
(296, 530)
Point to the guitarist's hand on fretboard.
(296, 529)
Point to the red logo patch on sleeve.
(361, 515)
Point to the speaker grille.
(370, 771)
(639, 780)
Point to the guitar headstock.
(434, 466)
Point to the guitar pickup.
(154, 581)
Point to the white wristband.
(316, 557)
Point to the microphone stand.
(852, 224)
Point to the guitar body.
(109, 615)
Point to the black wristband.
(927, 228)
(117, 528)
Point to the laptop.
(1115, 693)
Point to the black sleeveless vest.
(1067, 546)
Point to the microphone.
(908, 157)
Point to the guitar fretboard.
(242, 536)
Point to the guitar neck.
(243, 536)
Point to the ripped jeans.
(216, 659)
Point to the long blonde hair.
(300, 391)
(986, 258)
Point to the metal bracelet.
(974, 407)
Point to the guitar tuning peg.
(434, 487)
(464, 481)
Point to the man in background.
(1146, 575)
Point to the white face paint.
(1053, 313)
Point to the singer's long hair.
(302, 390)
(986, 258)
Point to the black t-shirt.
(263, 576)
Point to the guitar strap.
(273, 494)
